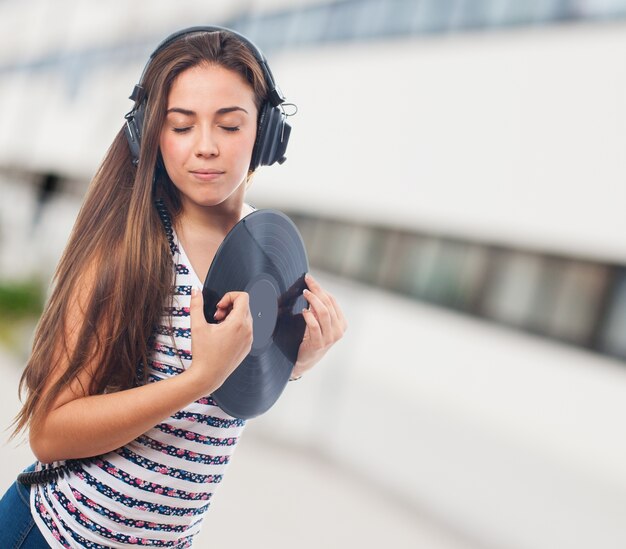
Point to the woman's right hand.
(79, 424)
(217, 349)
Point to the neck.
(211, 221)
(202, 229)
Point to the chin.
(213, 195)
(212, 201)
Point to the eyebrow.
(226, 110)
(223, 110)
(186, 112)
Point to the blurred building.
(457, 171)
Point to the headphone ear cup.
(132, 130)
(261, 136)
(272, 137)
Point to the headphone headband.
(274, 95)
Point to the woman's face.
(208, 135)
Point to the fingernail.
(306, 291)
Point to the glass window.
(553, 10)
(579, 296)
(435, 15)
(398, 17)
(402, 262)
(613, 338)
(518, 13)
(537, 11)
(365, 253)
(451, 273)
(544, 300)
(344, 17)
(553, 296)
(475, 14)
(269, 32)
(309, 24)
(312, 230)
(509, 295)
(597, 9)
(330, 245)
(248, 24)
(306, 226)
(473, 275)
(497, 11)
(351, 250)
(428, 252)
(353, 19)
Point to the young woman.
(111, 374)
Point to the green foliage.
(20, 299)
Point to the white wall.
(514, 136)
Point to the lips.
(206, 174)
(207, 171)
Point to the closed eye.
(181, 130)
(230, 128)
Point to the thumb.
(197, 305)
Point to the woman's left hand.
(325, 325)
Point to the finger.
(314, 285)
(331, 305)
(196, 308)
(320, 311)
(220, 314)
(317, 289)
(314, 329)
(335, 328)
(227, 300)
(341, 318)
(233, 299)
(227, 303)
(237, 303)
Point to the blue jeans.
(17, 526)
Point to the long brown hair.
(119, 238)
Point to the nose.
(206, 144)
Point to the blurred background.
(457, 171)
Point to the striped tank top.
(155, 490)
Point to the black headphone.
(272, 127)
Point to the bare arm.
(81, 425)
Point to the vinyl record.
(263, 255)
